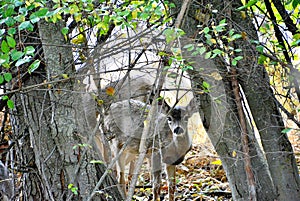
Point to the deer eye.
(169, 118)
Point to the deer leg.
(131, 171)
(156, 175)
(171, 170)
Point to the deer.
(168, 144)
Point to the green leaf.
(26, 25)
(236, 36)
(286, 130)
(11, 31)
(65, 30)
(207, 55)
(187, 67)
(170, 35)
(9, 11)
(5, 98)
(7, 77)
(205, 85)
(201, 50)
(223, 22)
(22, 61)
(260, 49)
(1, 79)
(29, 50)
(4, 47)
(11, 41)
(97, 162)
(10, 104)
(220, 28)
(189, 47)
(34, 66)
(2, 31)
(4, 59)
(15, 55)
(238, 50)
(238, 58)
(42, 12)
(249, 4)
(295, 3)
(234, 62)
(206, 30)
(261, 59)
(10, 21)
(217, 51)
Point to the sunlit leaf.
(189, 47)
(29, 50)
(110, 91)
(4, 59)
(205, 85)
(15, 55)
(10, 104)
(11, 41)
(4, 47)
(34, 66)
(286, 130)
(216, 162)
(1, 79)
(207, 55)
(11, 31)
(97, 162)
(22, 61)
(206, 30)
(7, 77)
(65, 30)
(249, 4)
(234, 153)
(26, 25)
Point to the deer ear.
(192, 107)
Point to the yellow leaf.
(154, 5)
(134, 14)
(145, 123)
(77, 17)
(213, 41)
(65, 76)
(216, 162)
(233, 154)
(296, 36)
(80, 39)
(100, 102)
(110, 91)
(244, 35)
(243, 15)
(216, 75)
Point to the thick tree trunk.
(53, 146)
(224, 130)
(255, 83)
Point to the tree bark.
(53, 147)
(277, 148)
(227, 140)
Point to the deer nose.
(178, 130)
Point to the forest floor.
(201, 176)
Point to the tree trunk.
(255, 83)
(53, 145)
(219, 115)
